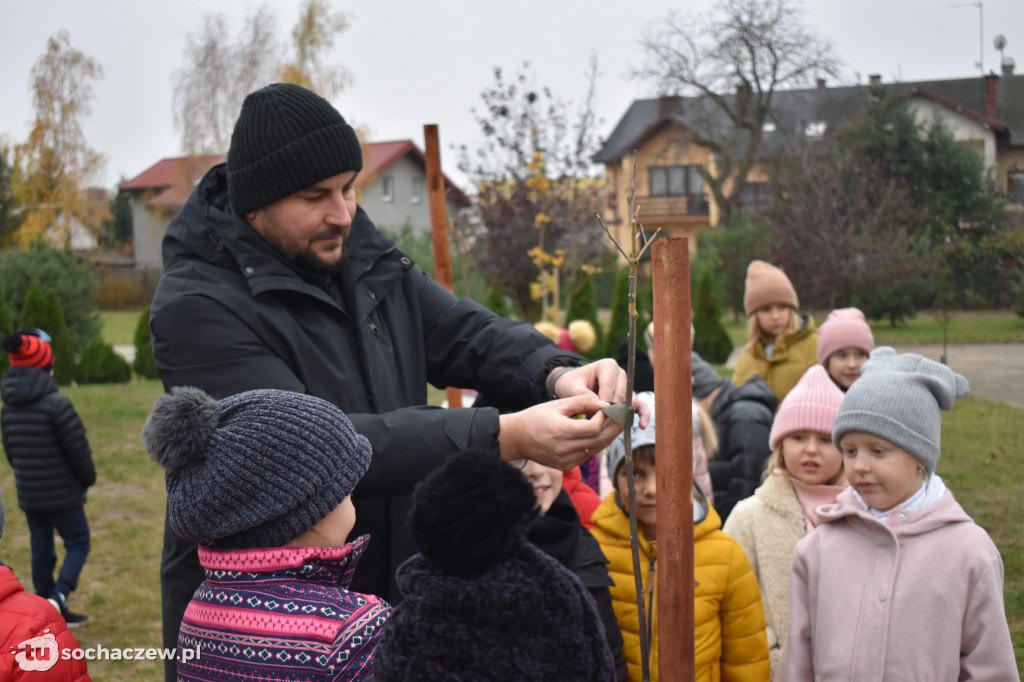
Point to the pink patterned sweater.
(282, 614)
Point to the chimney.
(875, 79)
(991, 94)
(820, 82)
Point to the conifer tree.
(583, 306)
(710, 339)
(144, 365)
(43, 311)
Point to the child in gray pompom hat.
(897, 581)
(263, 481)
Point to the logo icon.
(38, 653)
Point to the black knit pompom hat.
(286, 139)
(256, 469)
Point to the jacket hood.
(944, 512)
(207, 228)
(755, 388)
(26, 385)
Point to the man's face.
(310, 227)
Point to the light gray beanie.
(256, 469)
(898, 397)
(615, 453)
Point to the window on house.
(416, 192)
(816, 129)
(755, 196)
(387, 189)
(679, 181)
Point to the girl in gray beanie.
(897, 582)
(263, 481)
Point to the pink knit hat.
(766, 284)
(844, 328)
(812, 405)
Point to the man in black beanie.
(275, 278)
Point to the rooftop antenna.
(981, 31)
(1000, 42)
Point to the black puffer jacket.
(231, 314)
(44, 440)
(743, 421)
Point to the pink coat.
(917, 598)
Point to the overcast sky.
(415, 63)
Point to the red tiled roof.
(382, 155)
(167, 172)
(981, 118)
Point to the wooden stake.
(439, 225)
(673, 388)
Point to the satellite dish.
(999, 41)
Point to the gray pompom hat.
(899, 397)
(256, 469)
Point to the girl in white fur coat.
(804, 471)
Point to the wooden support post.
(673, 387)
(439, 225)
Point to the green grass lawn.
(119, 326)
(983, 463)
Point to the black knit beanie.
(481, 603)
(257, 469)
(286, 139)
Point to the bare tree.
(313, 37)
(533, 178)
(733, 61)
(52, 169)
(219, 72)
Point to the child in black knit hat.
(481, 602)
(263, 481)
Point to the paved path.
(995, 371)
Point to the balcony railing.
(663, 207)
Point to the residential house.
(155, 196)
(985, 113)
(392, 188)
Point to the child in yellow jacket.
(729, 621)
(783, 343)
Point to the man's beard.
(309, 262)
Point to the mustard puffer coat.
(730, 641)
(791, 356)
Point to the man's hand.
(603, 379)
(549, 434)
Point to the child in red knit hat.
(45, 442)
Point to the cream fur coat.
(767, 526)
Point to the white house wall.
(400, 211)
(963, 128)
(148, 228)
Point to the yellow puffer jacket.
(791, 357)
(730, 642)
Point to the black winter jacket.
(44, 440)
(231, 314)
(743, 421)
(562, 537)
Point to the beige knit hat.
(766, 284)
